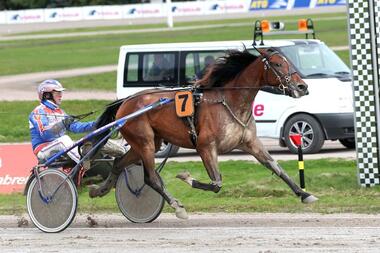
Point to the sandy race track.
(201, 233)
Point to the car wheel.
(310, 130)
(348, 143)
(167, 149)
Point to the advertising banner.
(213, 7)
(2, 17)
(158, 10)
(29, 16)
(188, 9)
(144, 10)
(259, 5)
(236, 6)
(92, 12)
(72, 14)
(16, 162)
(53, 15)
(303, 3)
(112, 12)
(326, 3)
(220, 7)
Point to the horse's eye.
(278, 65)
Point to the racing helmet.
(48, 86)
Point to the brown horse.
(223, 121)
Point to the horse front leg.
(257, 149)
(119, 164)
(209, 157)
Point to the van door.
(267, 109)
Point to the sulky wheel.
(52, 212)
(137, 201)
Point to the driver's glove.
(67, 121)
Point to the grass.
(249, 187)
(15, 114)
(103, 81)
(37, 55)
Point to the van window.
(158, 67)
(151, 69)
(197, 63)
(132, 68)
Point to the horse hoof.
(96, 191)
(181, 213)
(92, 189)
(183, 175)
(309, 199)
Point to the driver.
(48, 124)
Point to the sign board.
(16, 161)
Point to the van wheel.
(348, 143)
(310, 130)
(167, 149)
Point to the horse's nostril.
(302, 87)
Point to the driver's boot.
(114, 149)
(86, 147)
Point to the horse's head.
(279, 73)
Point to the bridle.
(283, 78)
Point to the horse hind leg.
(210, 161)
(156, 184)
(257, 149)
(121, 162)
(152, 179)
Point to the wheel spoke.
(307, 141)
(303, 126)
(309, 132)
(296, 127)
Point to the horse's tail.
(107, 116)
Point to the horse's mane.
(226, 68)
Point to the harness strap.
(223, 101)
(192, 120)
(192, 132)
(244, 125)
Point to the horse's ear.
(260, 51)
(245, 48)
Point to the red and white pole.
(297, 140)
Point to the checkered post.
(364, 22)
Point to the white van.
(325, 114)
